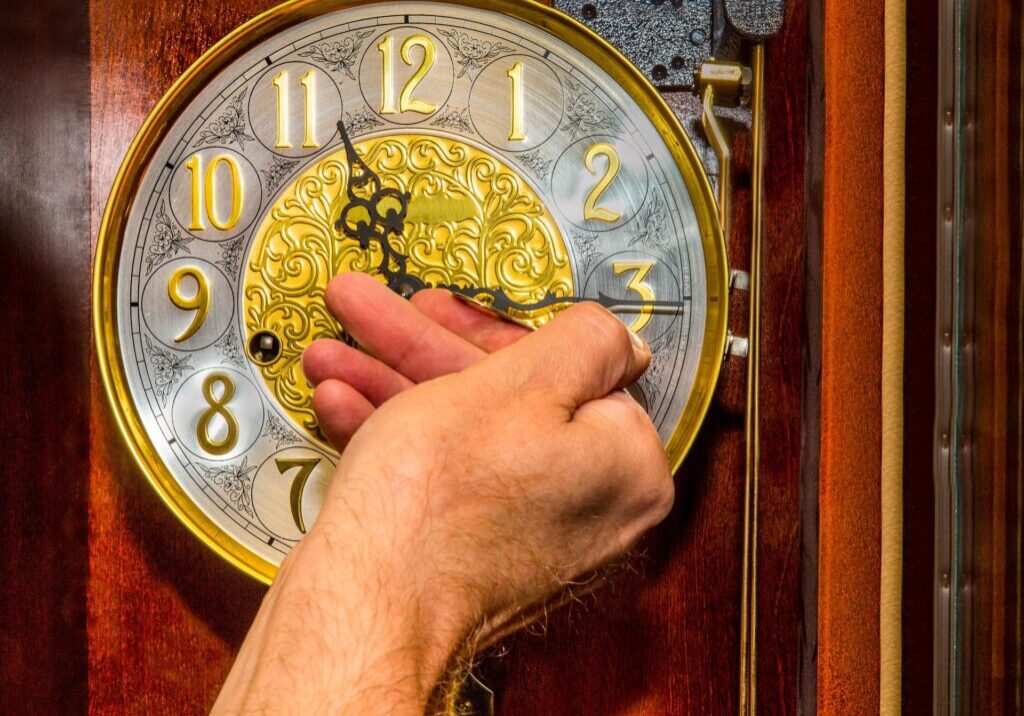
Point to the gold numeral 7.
(305, 467)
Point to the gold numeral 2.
(204, 190)
(637, 285)
(590, 208)
(305, 467)
(198, 302)
(218, 406)
(308, 83)
(515, 74)
(406, 103)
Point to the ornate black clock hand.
(497, 300)
(376, 218)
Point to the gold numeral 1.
(218, 406)
(308, 83)
(637, 284)
(204, 191)
(198, 302)
(305, 467)
(515, 74)
(406, 103)
(590, 208)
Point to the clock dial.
(534, 166)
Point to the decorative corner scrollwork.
(472, 53)
(452, 118)
(277, 172)
(650, 232)
(280, 433)
(167, 368)
(586, 248)
(338, 56)
(230, 349)
(361, 121)
(584, 114)
(234, 481)
(536, 163)
(230, 127)
(167, 240)
(231, 255)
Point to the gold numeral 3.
(638, 285)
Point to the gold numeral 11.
(516, 75)
(308, 83)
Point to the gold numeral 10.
(198, 301)
(305, 467)
(204, 192)
(515, 74)
(590, 208)
(218, 406)
(406, 103)
(308, 83)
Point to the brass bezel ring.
(247, 36)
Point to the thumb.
(583, 354)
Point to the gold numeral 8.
(218, 406)
(198, 302)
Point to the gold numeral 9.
(198, 301)
(204, 191)
(515, 74)
(637, 284)
(590, 208)
(305, 467)
(308, 83)
(406, 103)
(218, 406)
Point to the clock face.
(532, 167)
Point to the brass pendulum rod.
(752, 422)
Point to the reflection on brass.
(472, 222)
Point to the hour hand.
(496, 300)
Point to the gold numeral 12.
(308, 83)
(406, 103)
(516, 75)
(204, 192)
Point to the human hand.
(458, 501)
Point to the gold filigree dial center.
(472, 221)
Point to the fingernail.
(639, 344)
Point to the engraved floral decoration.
(361, 121)
(451, 118)
(472, 221)
(586, 248)
(472, 53)
(536, 163)
(167, 368)
(650, 232)
(277, 172)
(280, 433)
(661, 356)
(167, 241)
(231, 255)
(229, 127)
(230, 349)
(584, 114)
(340, 55)
(235, 482)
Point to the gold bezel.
(246, 36)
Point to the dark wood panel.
(44, 311)
(166, 616)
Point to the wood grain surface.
(166, 617)
(44, 312)
(849, 503)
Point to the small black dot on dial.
(264, 347)
(589, 11)
(678, 63)
(660, 72)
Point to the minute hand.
(498, 300)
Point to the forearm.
(344, 629)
